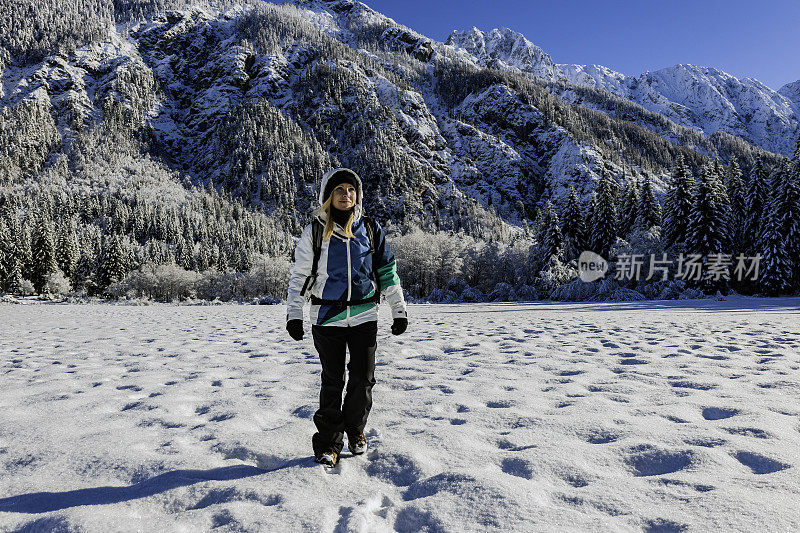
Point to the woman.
(344, 264)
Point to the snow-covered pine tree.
(738, 205)
(680, 199)
(67, 249)
(6, 253)
(24, 250)
(552, 239)
(629, 207)
(603, 223)
(786, 204)
(756, 201)
(707, 224)
(572, 226)
(115, 264)
(775, 270)
(793, 220)
(43, 252)
(650, 209)
(724, 203)
(10, 254)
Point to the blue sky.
(744, 38)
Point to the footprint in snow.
(304, 411)
(648, 460)
(232, 494)
(517, 467)
(719, 413)
(576, 478)
(412, 519)
(759, 464)
(399, 470)
(663, 525)
(600, 436)
(706, 442)
(499, 404)
(749, 432)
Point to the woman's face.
(344, 197)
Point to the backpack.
(316, 241)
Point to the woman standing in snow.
(344, 264)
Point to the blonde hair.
(328, 231)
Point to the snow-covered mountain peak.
(504, 47)
(792, 92)
(702, 98)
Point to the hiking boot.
(357, 443)
(327, 458)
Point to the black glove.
(295, 329)
(399, 326)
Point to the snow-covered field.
(654, 416)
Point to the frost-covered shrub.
(669, 289)
(556, 274)
(527, 293)
(57, 284)
(640, 241)
(428, 261)
(267, 300)
(472, 294)
(225, 286)
(269, 276)
(502, 292)
(442, 296)
(621, 294)
(575, 291)
(26, 288)
(457, 285)
(691, 294)
(164, 283)
(486, 264)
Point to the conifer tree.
(738, 205)
(756, 202)
(604, 218)
(629, 207)
(11, 259)
(67, 249)
(680, 199)
(10, 264)
(707, 225)
(572, 226)
(552, 239)
(43, 253)
(650, 210)
(786, 204)
(115, 261)
(775, 270)
(24, 251)
(707, 221)
(793, 219)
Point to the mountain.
(259, 99)
(702, 98)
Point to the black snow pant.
(334, 418)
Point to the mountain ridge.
(710, 100)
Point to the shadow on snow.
(43, 502)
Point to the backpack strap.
(316, 245)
